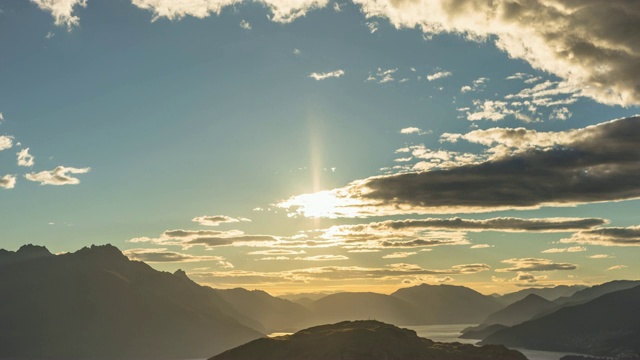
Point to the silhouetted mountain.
(481, 332)
(96, 303)
(551, 293)
(362, 340)
(447, 304)
(607, 325)
(363, 306)
(593, 292)
(25, 253)
(520, 311)
(273, 313)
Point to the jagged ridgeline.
(96, 303)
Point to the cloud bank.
(598, 163)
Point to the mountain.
(25, 253)
(363, 306)
(275, 314)
(593, 292)
(551, 293)
(96, 303)
(520, 311)
(608, 325)
(362, 340)
(447, 304)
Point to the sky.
(319, 146)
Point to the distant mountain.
(275, 314)
(520, 311)
(593, 292)
(551, 293)
(311, 296)
(362, 340)
(96, 303)
(447, 304)
(363, 306)
(608, 325)
(481, 332)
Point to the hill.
(363, 306)
(447, 304)
(275, 314)
(608, 325)
(520, 311)
(96, 303)
(362, 340)
(550, 293)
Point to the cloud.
(524, 277)
(382, 76)
(611, 236)
(277, 252)
(245, 25)
(327, 75)
(414, 130)
(207, 238)
(399, 255)
(6, 142)
(439, 75)
(601, 256)
(373, 26)
(8, 182)
(617, 267)
(392, 272)
(24, 158)
(62, 10)
(565, 250)
(532, 264)
(215, 220)
(589, 44)
(323, 258)
(598, 163)
(163, 255)
(58, 176)
(480, 246)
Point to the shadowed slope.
(96, 303)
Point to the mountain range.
(96, 303)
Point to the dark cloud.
(532, 264)
(162, 255)
(612, 236)
(595, 164)
(495, 224)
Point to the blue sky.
(143, 116)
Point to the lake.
(450, 333)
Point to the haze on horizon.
(315, 145)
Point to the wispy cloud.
(439, 75)
(58, 176)
(399, 255)
(617, 267)
(322, 258)
(327, 75)
(215, 220)
(532, 264)
(565, 250)
(162, 255)
(609, 236)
